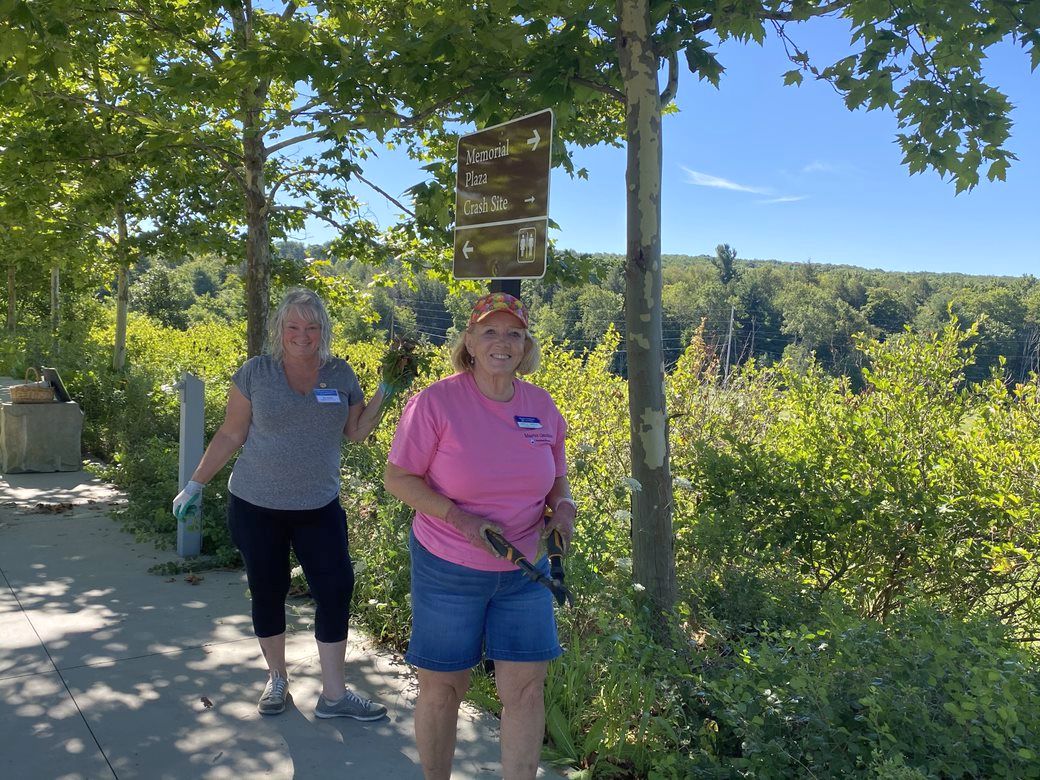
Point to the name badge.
(327, 396)
(527, 422)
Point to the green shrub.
(801, 509)
(926, 693)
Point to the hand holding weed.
(403, 360)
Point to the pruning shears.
(556, 551)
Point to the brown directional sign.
(514, 250)
(502, 199)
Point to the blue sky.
(788, 173)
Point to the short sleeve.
(243, 378)
(417, 436)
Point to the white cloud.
(707, 180)
(785, 199)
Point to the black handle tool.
(512, 554)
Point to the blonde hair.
(310, 307)
(462, 360)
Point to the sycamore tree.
(73, 94)
(42, 236)
(922, 61)
(290, 100)
(287, 100)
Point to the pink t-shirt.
(496, 459)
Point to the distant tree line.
(744, 309)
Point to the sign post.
(189, 528)
(502, 200)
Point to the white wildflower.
(297, 571)
(632, 484)
(682, 483)
(638, 588)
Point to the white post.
(189, 529)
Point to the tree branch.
(145, 15)
(386, 195)
(312, 212)
(788, 16)
(296, 140)
(292, 175)
(668, 95)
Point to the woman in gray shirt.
(288, 411)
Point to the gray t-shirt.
(291, 457)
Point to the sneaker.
(350, 706)
(275, 692)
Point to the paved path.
(107, 671)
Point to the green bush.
(935, 696)
(920, 487)
(802, 509)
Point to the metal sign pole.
(189, 529)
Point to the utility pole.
(729, 341)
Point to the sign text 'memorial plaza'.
(502, 199)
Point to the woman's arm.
(229, 437)
(564, 511)
(363, 418)
(413, 490)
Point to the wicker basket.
(34, 391)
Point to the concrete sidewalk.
(107, 671)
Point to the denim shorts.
(461, 615)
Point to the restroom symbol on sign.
(525, 244)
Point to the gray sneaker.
(275, 692)
(350, 706)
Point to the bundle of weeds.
(402, 362)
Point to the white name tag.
(327, 396)
(527, 422)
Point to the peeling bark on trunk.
(122, 293)
(653, 556)
(55, 298)
(11, 300)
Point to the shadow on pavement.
(109, 671)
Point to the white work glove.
(187, 498)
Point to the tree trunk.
(55, 299)
(122, 293)
(653, 556)
(254, 153)
(258, 243)
(11, 308)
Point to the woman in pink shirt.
(478, 450)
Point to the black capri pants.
(319, 538)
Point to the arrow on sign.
(529, 200)
(534, 139)
(467, 248)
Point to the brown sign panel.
(502, 184)
(515, 250)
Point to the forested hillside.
(760, 309)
